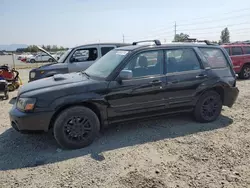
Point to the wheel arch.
(86, 104)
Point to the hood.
(43, 50)
(51, 66)
(56, 80)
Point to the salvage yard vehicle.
(73, 60)
(240, 55)
(40, 58)
(128, 83)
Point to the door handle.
(173, 82)
(155, 82)
(201, 76)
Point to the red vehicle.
(240, 55)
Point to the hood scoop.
(59, 77)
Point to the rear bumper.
(230, 96)
(22, 121)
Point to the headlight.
(32, 75)
(26, 104)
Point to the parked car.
(24, 56)
(128, 83)
(43, 57)
(73, 60)
(57, 55)
(240, 55)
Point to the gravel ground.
(166, 152)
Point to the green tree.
(225, 36)
(180, 37)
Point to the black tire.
(50, 60)
(208, 107)
(245, 72)
(32, 61)
(6, 95)
(76, 127)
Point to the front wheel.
(50, 60)
(76, 127)
(208, 107)
(245, 72)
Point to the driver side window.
(146, 64)
(82, 55)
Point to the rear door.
(82, 58)
(247, 54)
(237, 58)
(184, 75)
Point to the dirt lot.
(166, 152)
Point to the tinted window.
(247, 49)
(215, 57)
(89, 54)
(146, 64)
(105, 50)
(228, 50)
(236, 51)
(180, 60)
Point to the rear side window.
(215, 57)
(247, 49)
(179, 60)
(105, 50)
(237, 51)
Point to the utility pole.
(123, 38)
(174, 31)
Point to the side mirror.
(126, 75)
(72, 59)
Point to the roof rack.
(157, 42)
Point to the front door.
(143, 93)
(184, 75)
(82, 58)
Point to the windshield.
(65, 54)
(105, 65)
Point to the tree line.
(34, 49)
(224, 38)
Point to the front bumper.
(230, 96)
(22, 121)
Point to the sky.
(75, 22)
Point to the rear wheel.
(76, 127)
(245, 72)
(32, 61)
(208, 107)
(50, 60)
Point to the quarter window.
(215, 57)
(179, 60)
(105, 50)
(247, 49)
(228, 50)
(81, 55)
(237, 51)
(146, 64)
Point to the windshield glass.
(65, 54)
(105, 65)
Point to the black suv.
(128, 83)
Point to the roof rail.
(196, 40)
(237, 42)
(157, 42)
